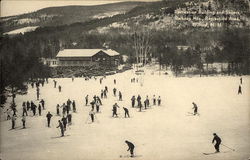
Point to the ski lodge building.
(88, 57)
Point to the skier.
(120, 96)
(24, 120)
(131, 147)
(99, 100)
(74, 106)
(57, 110)
(133, 101)
(86, 100)
(106, 89)
(114, 92)
(92, 104)
(13, 121)
(69, 116)
(114, 81)
(72, 79)
(64, 120)
(8, 112)
(218, 142)
(39, 109)
(147, 101)
(195, 108)
(24, 109)
(33, 108)
(92, 115)
(105, 93)
(28, 105)
(138, 100)
(240, 80)
(42, 102)
(97, 106)
(37, 93)
(126, 112)
(101, 94)
(115, 110)
(239, 90)
(145, 104)
(54, 83)
(59, 88)
(48, 118)
(159, 101)
(154, 100)
(61, 128)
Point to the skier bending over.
(195, 108)
(131, 147)
(218, 142)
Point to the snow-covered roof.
(84, 52)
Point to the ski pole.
(228, 147)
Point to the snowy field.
(159, 133)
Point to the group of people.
(146, 102)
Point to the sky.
(15, 7)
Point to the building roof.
(84, 52)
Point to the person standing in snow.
(138, 100)
(86, 100)
(42, 102)
(195, 107)
(120, 96)
(74, 106)
(114, 81)
(239, 90)
(92, 115)
(97, 106)
(54, 83)
(133, 101)
(24, 120)
(131, 147)
(25, 109)
(61, 127)
(64, 121)
(59, 88)
(115, 110)
(216, 139)
(69, 117)
(240, 80)
(49, 118)
(154, 100)
(13, 121)
(39, 109)
(114, 92)
(57, 110)
(126, 112)
(159, 101)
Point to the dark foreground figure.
(218, 142)
(131, 148)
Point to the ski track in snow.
(160, 132)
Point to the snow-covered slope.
(160, 132)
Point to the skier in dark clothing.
(239, 90)
(33, 108)
(48, 118)
(114, 81)
(64, 121)
(92, 115)
(140, 106)
(131, 148)
(159, 101)
(115, 110)
(24, 120)
(61, 128)
(145, 104)
(114, 92)
(138, 100)
(92, 104)
(69, 116)
(147, 101)
(39, 109)
(120, 96)
(106, 89)
(126, 112)
(218, 142)
(86, 100)
(54, 83)
(13, 121)
(154, 100)
(59, 88)
(105, 93)
(99, 100)
(28, 105)
(133, 101)
(101, 94)
(240, 80)
(74, 106)
(42, 102)
(57, 110)
(24, 109)
(195, 108)
(37, 94)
